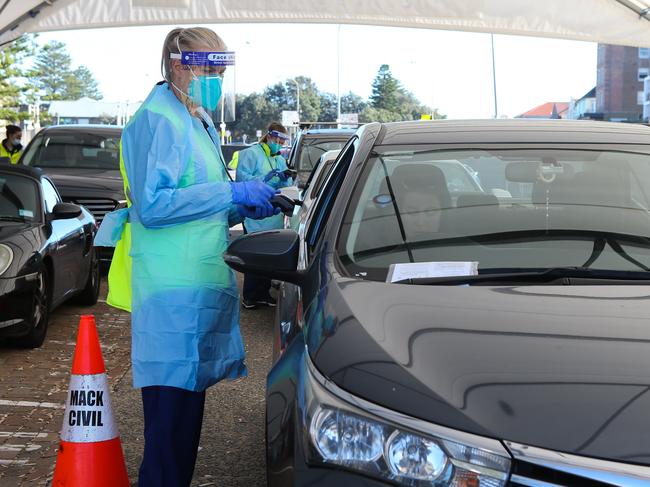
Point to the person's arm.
(247, 166)
(154, 157)
(282, 166)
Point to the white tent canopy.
(625, 22)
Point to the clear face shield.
(212, 85)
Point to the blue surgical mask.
(16, 142)
(275, 147)
(206, 91)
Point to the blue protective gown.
(185, 301)
(256, 162)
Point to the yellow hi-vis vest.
(119, 274)
(13, 156)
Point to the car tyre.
(40, 313)
(90, 293)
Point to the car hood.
(84, 179)
(565, 368)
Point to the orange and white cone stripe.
(90, 451)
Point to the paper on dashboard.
(416, 270)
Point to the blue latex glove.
(257, 212)
(270, 175)
(275, 173)
(252, 193)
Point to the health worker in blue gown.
(168, 268)
(263, 162)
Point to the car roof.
(32, 172)
(85, 128)
(512, 131)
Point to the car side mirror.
(272, 254)
(64, 211)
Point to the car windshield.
(505, 209)
(75, 150)
(313, 149)
(18, 198)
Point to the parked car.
(228, 150)
(482, 341)
(46, 254)
(310, 145)
(84, 163)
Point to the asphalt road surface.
(33, 389)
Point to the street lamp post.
(494, 78)
(338, 77)
(297, 98)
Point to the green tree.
(328, 108)
(51, 71)
(372, 114)
(385, 90)
(351, 103)
(254, 112)
(53, 76)
(310, 101)
(11, 59)
(81, 83)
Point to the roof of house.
(547, 110)
(590, 94)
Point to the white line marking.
(20, 447)
(14, 462)
(22, 434)
(32, 404)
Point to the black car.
(84, 163)
(228, 151)
(310, 145)
(46, 254)
(427, 335)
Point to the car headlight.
(6, 256)
(352, 433)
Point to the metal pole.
(297, 98)
(338, 77)
(494, 77)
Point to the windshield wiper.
(565, 274)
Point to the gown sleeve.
(154, 152)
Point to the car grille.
(97, 206)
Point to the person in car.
(421, 194)
(263, 162)
(11, 147)
(420, 209)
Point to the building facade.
(620, 82)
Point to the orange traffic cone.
(90, 451)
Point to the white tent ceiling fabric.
(622, 22)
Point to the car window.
(329, 191)
(317, 185)
(50, 195)
(78, 150)
(312, 149)
(406, 208)
(18, 198)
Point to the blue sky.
(449, 70)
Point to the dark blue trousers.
(255, 287)
(172, 428)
